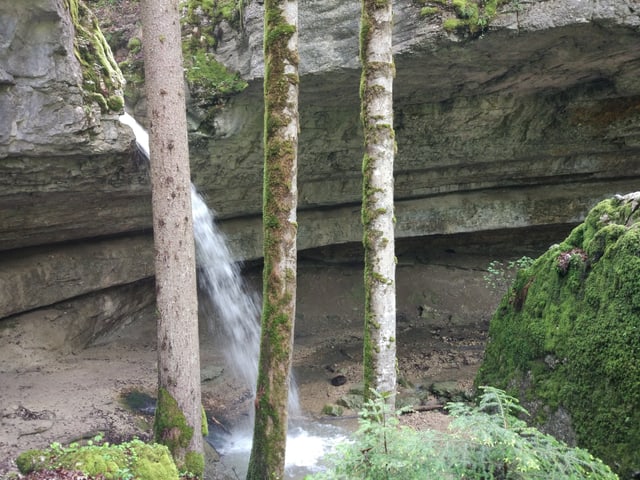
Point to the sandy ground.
(443, 312)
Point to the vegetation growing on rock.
(102, 80)
(567, 335)
(210, 82)
(208, 79)
(471, 16)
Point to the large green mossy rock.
(566, 337)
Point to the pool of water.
(308, 442)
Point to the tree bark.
(280, 229)
(178, 422)
(376, 92)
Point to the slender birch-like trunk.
(280, 230)
(178, 421)
(376, 95)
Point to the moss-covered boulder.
(566, 337)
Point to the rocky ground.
(444, 306)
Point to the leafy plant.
(500, 275)
(486, 441)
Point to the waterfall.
(220, 281)
(142, 136)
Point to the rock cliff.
(527, 125)
(68, 182)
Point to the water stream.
(235, 320)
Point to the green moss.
(471, 16)
(428, 11)
(102, 79)
(210, 78)
(96, 460)
(32, 461)
(451, 24)
(210, 82)
(194, 464)
(115, 103)
(134, 45)
(279, 33)
(170, 427)
(205, 423)
(332, 410)
(568, 333)
(215, 10)
(134, 459)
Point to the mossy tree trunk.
(376, 96)
(178, 422)
(280, 229)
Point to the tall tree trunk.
(178, 422)
(280, 228)
(376, 92)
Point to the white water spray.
(220, 280)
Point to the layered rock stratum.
(526, 125)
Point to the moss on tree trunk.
(171, 428)
(280, 229)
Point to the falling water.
(237, 322)
(220, 281)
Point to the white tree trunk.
(377, 209)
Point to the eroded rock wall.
(531, 123)
(528, 125)
(68, 183)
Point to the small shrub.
(486, 441)
(565, 259)
(500, 275)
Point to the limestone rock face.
(64, 168)
(66, 174)
(43, 111)
(527, 125)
